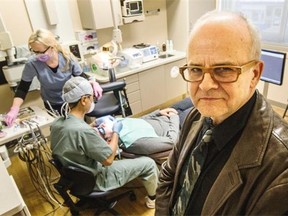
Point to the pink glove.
(11, 115)
(97, 89)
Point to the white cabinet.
(158, 87)
(11, 201)
(97, 14)
(174, 86)
(152, 87)
(133, 93)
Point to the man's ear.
(257, 72)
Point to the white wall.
(39, 18)
(16, 19)
(181, 15)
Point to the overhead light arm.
(117, 34)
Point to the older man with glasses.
(232, 154)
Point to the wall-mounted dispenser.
(132, 10)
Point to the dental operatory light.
(107, 57)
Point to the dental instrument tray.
(25, 113)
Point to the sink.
(165, 55)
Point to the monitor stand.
(265, 89)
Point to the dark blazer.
(254, 180)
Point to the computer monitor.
(274, 64)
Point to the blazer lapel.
(230, 177)
(186, 149)
(191, 136)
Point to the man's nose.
(208, 82)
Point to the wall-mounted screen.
(274, 64)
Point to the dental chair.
(114, 100)
(80, 183)
(158, 157)
(183, 107)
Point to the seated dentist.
(76, 143)
(152, 133)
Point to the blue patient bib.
(134, 129)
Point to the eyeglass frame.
(38, 52)
(211, 72)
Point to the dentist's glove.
(103, 119)
(11, 115)
(97, 89)
(117, 127)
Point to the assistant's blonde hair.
(48, 39)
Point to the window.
(270, 17)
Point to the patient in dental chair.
(153, 133)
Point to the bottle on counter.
(94, 68)
(85, 67)
(164, 47)
(171, 48)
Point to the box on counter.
(91, 45)
(85, 35)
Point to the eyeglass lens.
(221, 74)
(39, 52)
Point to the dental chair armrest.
(118, 85)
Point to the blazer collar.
(248, 152)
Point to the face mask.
(91, 107)
(43, 57)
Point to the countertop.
(41, 117)
(177, 55)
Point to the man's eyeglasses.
(220, 73)
(39, 52)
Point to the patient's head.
(104, 126)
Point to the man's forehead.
(210, 43)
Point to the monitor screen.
(274, 63)
(134, 6)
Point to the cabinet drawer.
(136, 107)
(132, 87)
(131, 79)
(134, 96)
